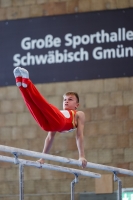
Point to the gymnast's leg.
(47, 115)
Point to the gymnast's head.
(70, 101)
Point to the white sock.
(17, 73)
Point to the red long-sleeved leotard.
(47, 116)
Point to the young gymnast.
(49, 117)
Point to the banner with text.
(68, 47)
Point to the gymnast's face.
(70, 102)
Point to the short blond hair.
(72, 93)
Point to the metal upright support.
(72, 186)
(119, 195)
(16, 161)
(21, 176)
(21, 181)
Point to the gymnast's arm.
(80, 137)
(47, 144)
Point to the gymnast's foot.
(18, 76)
(41, 161)
(25, 76)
